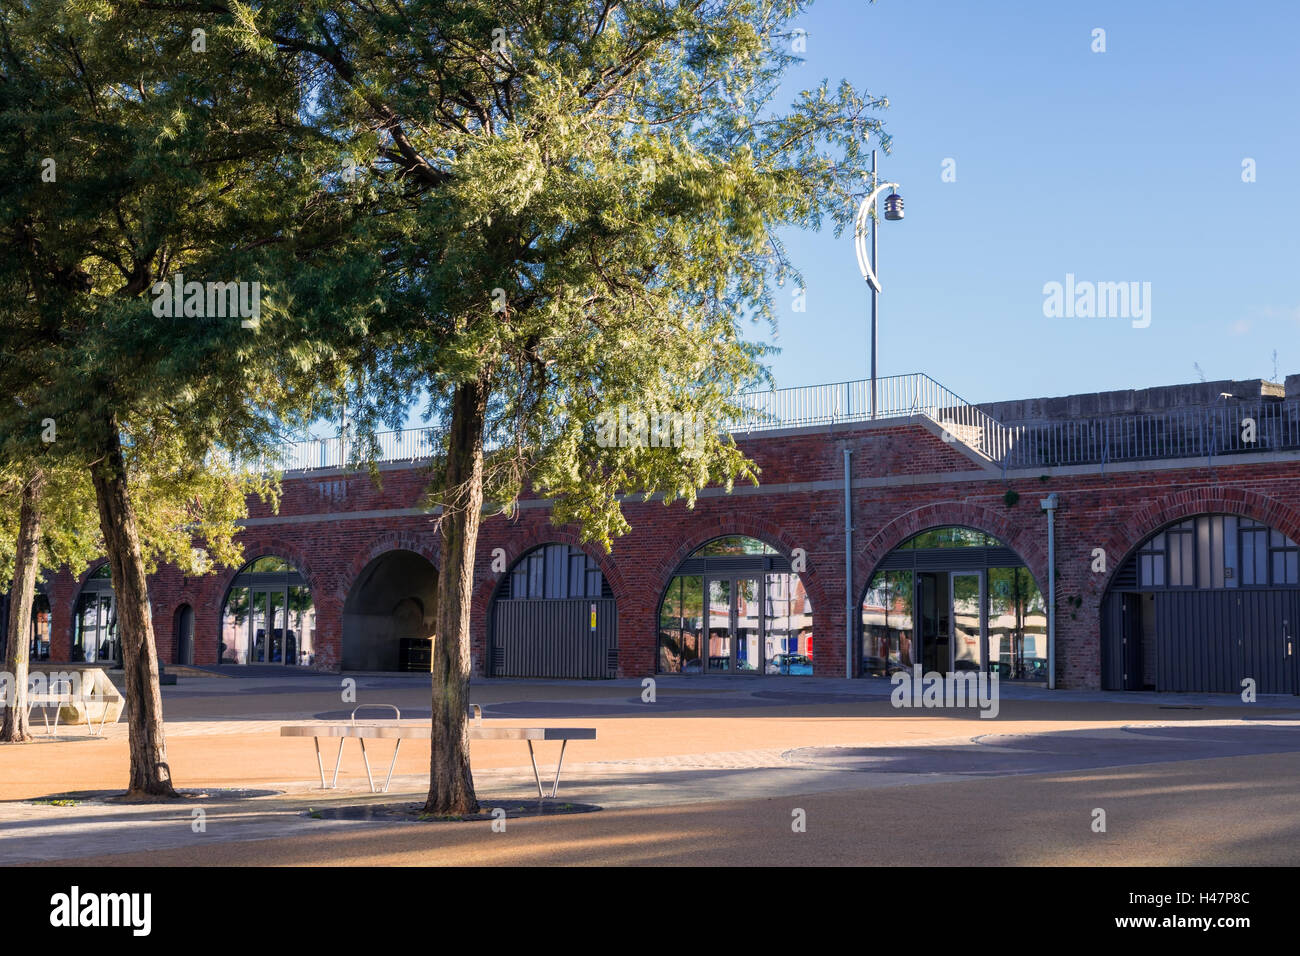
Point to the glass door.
(735, 623)
(747, 613)
(275, 612)
(967, 603)
(96, 622)
(932, 621)
(257, 625)
(109, 648)
(718, 611)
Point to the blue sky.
(1116, 167)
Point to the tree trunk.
(451, 785)
(150, 773)
(27, 558)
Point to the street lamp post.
(867, 260)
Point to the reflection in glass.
(887, 621)
(40, 641)
(787, 626)
(740, 618)
(733, 545)
(967, 636)
(747, 635)
(234, 628)
(1017, 625)
(680, 622)
(268, 625)
(719, 626)
(94, 636)
(300, 642)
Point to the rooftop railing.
(1192, 432)
(897, 396)
(1234, 428)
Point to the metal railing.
(1193, 432)
(897, 396)
(406, 444)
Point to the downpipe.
(848, 564)
(1049, 505)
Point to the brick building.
(1174, 528)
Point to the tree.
(54, 528)
(150, 154)
(576, 205)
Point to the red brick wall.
(910, 480)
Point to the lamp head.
(893, 206)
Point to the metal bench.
(393, 730)
(61, 695)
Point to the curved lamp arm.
(860, 234)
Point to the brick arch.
(425, 545)
(751, 526)
(1121, 542)
(526, 541)
(207, 627)
(86, 575)
(278, 548)
(1027, 539)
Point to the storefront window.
(887, 621)
(735, 606)
(268, 617)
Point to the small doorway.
(185, 635)
(933, 621)
(950, 620)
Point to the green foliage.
(165, 161)
(618, 171)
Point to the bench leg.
(319, 763)
(536, 776)
(389, 779)
(369, 778)
(556, 785)
(338, 763)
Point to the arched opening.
(554, 615)
(94, 623)
(268, 616)
(735, 606)
(183, 631)
(1203, 605)
(954, 599)
(390, 614)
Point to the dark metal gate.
(575, 637)
(1209, 641)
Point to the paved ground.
(713, 771)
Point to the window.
(268, 616)
(1216, 551)
(555, 572)
(757, 619)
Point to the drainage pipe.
(1049, 504)
(848, 564)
